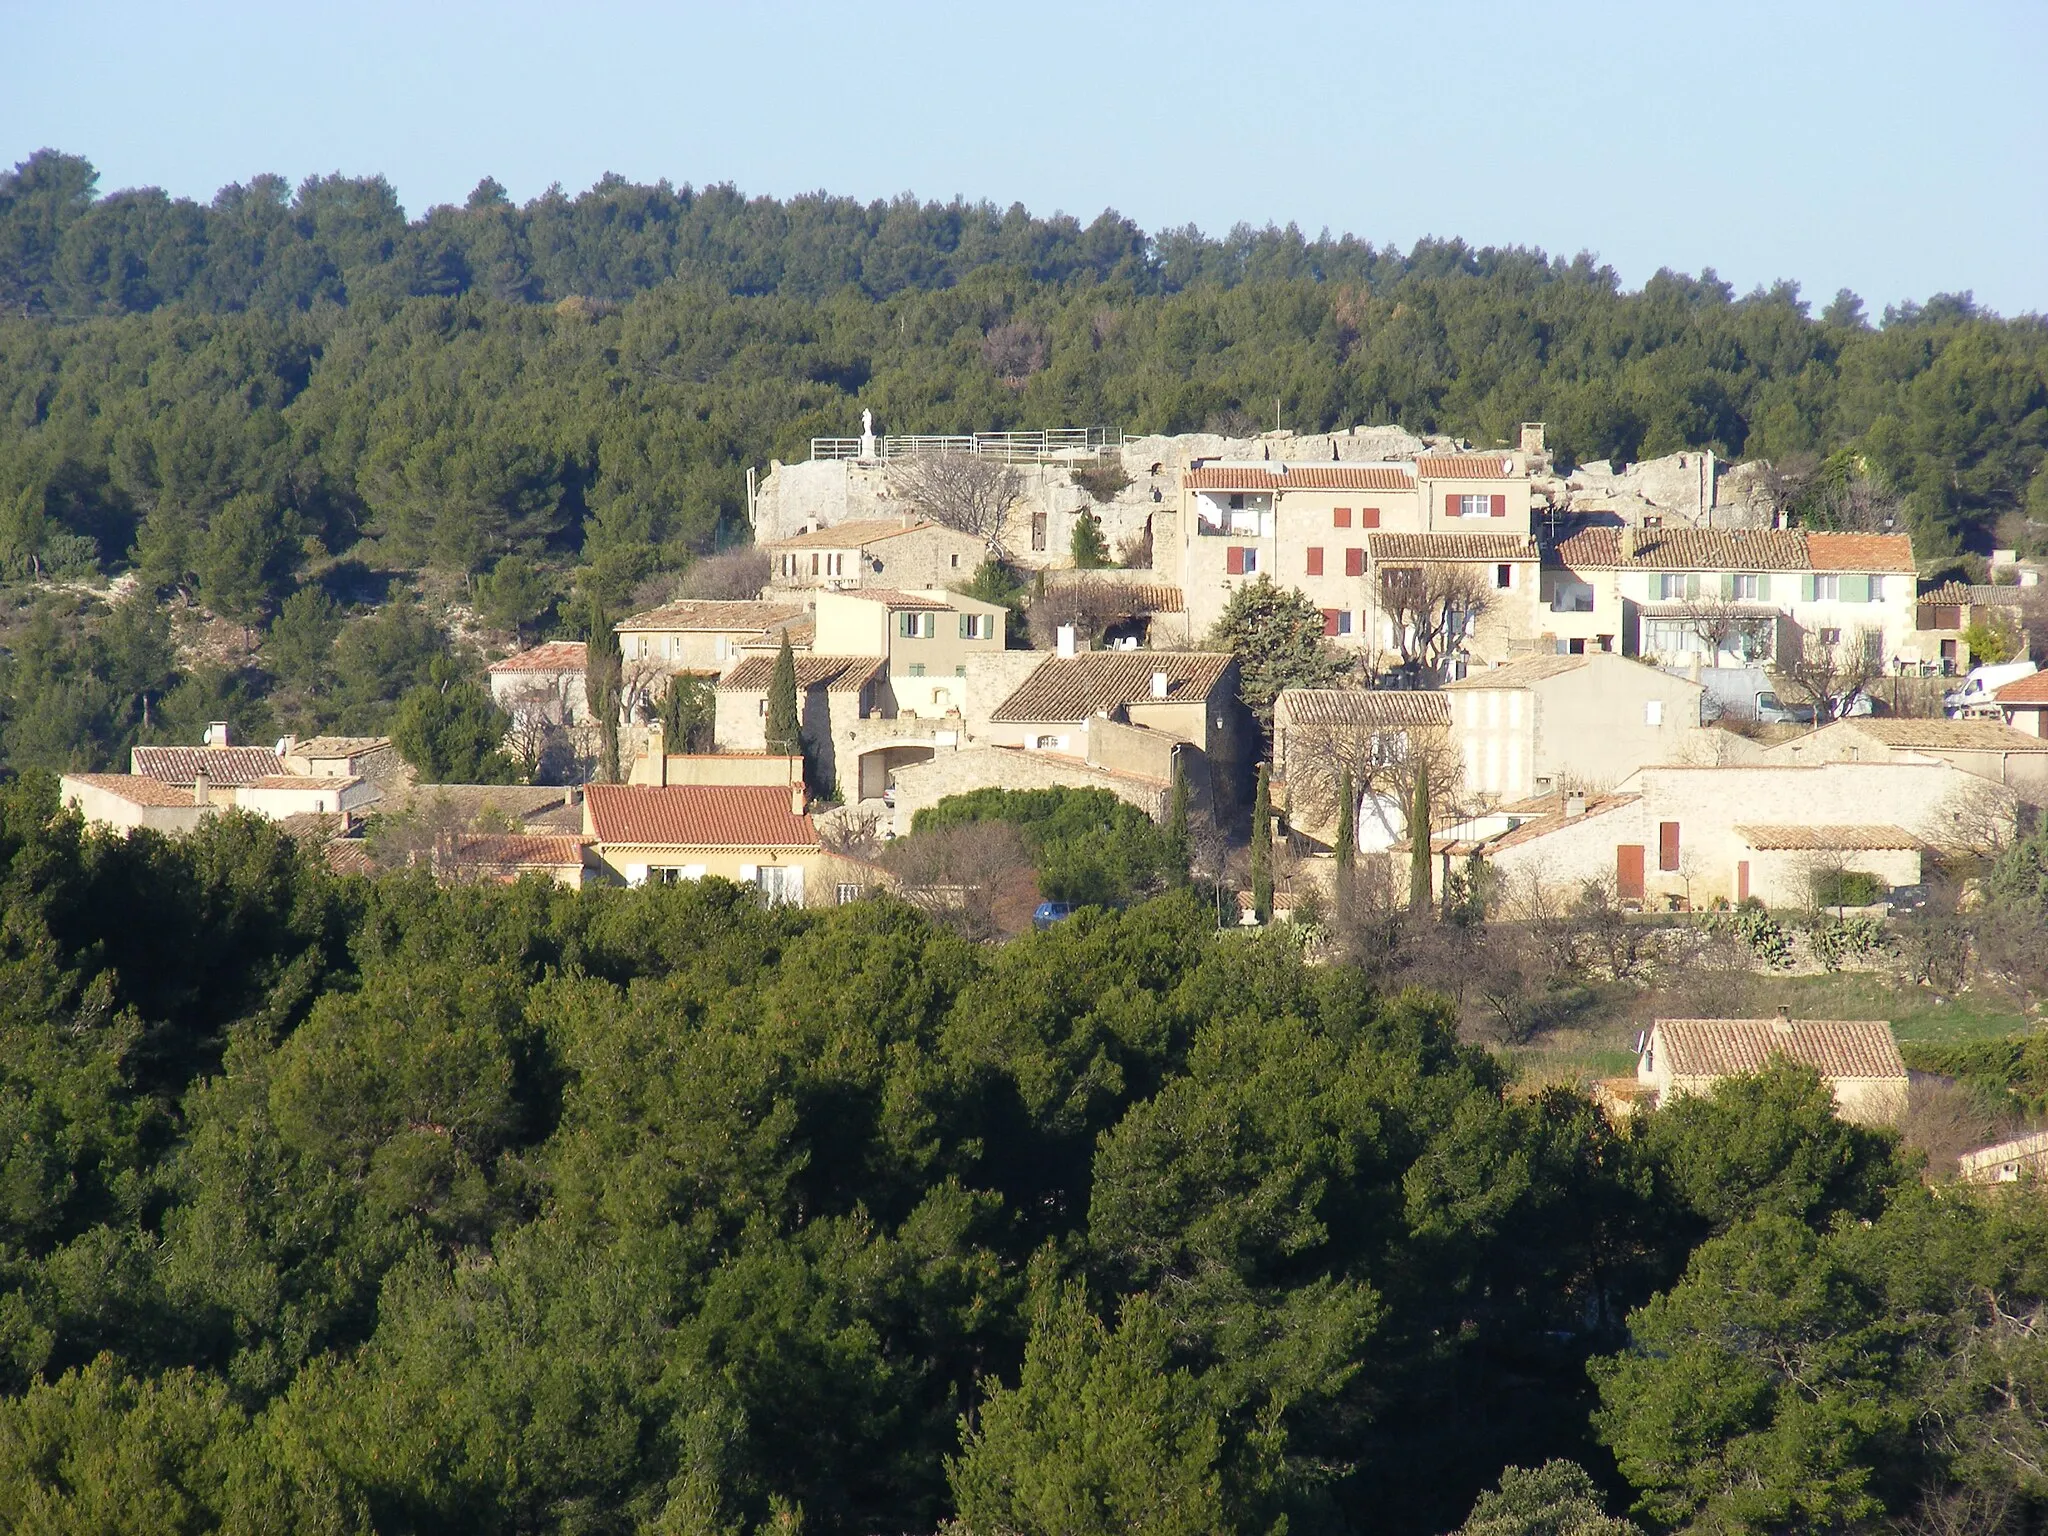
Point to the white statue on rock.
(867, 433)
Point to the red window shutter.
(1369, 518)
(1500, 506)
(1667, 845)
(1450, 506)
(1354, 562)
(1233, 561)
(1315, 562)
(1329, 621)
(1341, 518)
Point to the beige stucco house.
(834, 694)
(2024, 705)
(896, 553)
(927, 639)
(545, 682)
(755, 835)
(124, 802)
(1986, 749)
(700, 634)
(1550, 722)
(1858, 1059)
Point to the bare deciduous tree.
(737, 573)
(1382, 760)
(957, 874)
(1090, 606)
(538, 738)
(963, 491)
(1831, 673)
(854, 830)
(1722, 626)
(1432, 608)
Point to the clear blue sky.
(1896, 149)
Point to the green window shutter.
(1763, 589)
(1855, 589)
(1806, 588)
(1692, 584)
(1727, 586)
(963, 626)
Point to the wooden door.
(1628, 871)
(1742, 881)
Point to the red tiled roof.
(1135, 596)
(1466, 466)
(1832, 1047)
(718, 615)
(1827, 839)
(1689, 549)
(554, 656)
(836, 674)
(1299, 477)
(223, 765)
(1860, 552)
(2027, 690)
(1379, 707)
(526, 850)
(1948, 594)
(348, 856)
(891, 598)
(1450, 546)
(858, 534)
(698, 816)
(1065, 688)
(136, 789)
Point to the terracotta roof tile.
(1827, 839)
(698, 816)
(340, 746)
(1832, 1047)
(1299, 477)
(717, 615)
(891, 598)
(348, 856)
(1521, 672)
(524, 850)
(1860, 552)
(1378, 708)
(2028, 690)
(1689, 549)
(1466, 466)
(555, 656)
(1078, 687)
(835, 674)
(223, 765)
(857, 534)
(135, 788)
(1948, 594)
(1137, 596)
(1952, 735)
(303, 781)
(1450, 546)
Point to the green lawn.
(1916, 1013)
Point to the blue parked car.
(1050, 912)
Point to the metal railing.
(1010, 447)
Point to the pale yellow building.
(755, 835)
(700, 634)
(895, 553)
(1857, 1058)
(926, 638)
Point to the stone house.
(568, 859)
(1748, 596)
(834, 694)
(1318, 730)
(1677, 836)
(755, 835)
(926, 640)
(545, 682)
(1326, 529)
(1188, 696)
(1550, 722)
(895, 553)
(699, 634)
(1987, 749)
(124, 802)
(2006, 1162)
(2024, 704)
(1857, 1058)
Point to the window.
(1476, 506)
(1049, 743)
(1653, 710)
(961, 670)
(956, 566)
(1354, 562)
(917, 669)
(1315, 562)
(1503, 576)
(1830, 637)
(1369, 517)
(1572, 597)
(1239, 560)
(1742, 589)
(1038, 530)
(917, 626)
(1826, 589)
(1343, 621)
(814, 562)
(1575, 647)
(1877, 589)
(848, 893)
(764, 709)
(1667, 845)
(1341, 518)
(782, 884)
(1668, 586)
(977, 626)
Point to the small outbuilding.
(1858, 1058)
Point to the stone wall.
(957, 773)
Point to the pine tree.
(1087, 546)
(1347, 839)
(785, 729)
(603, 677)
(1262, 850)
(1179, 842)
(1419, 883)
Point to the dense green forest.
(271, 406)
(332, 1205)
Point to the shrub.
(1847, 888)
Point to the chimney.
(797, 796)
(216, 733)
(1574, 805)
(202, 788)
(1782, 1024)
(1066, 640)
(1628, 542)
(1532, 439)
(1161, 685)
(657, 749)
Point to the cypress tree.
(603, 676)
(1347, 839)
(785, 729)
(1262, 850)
(1419, 882)
(1179, 849)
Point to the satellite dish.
(1507, 466)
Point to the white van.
(1982, 683)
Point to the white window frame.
(1743, 587)
(1827, 587)
(1475, 506)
